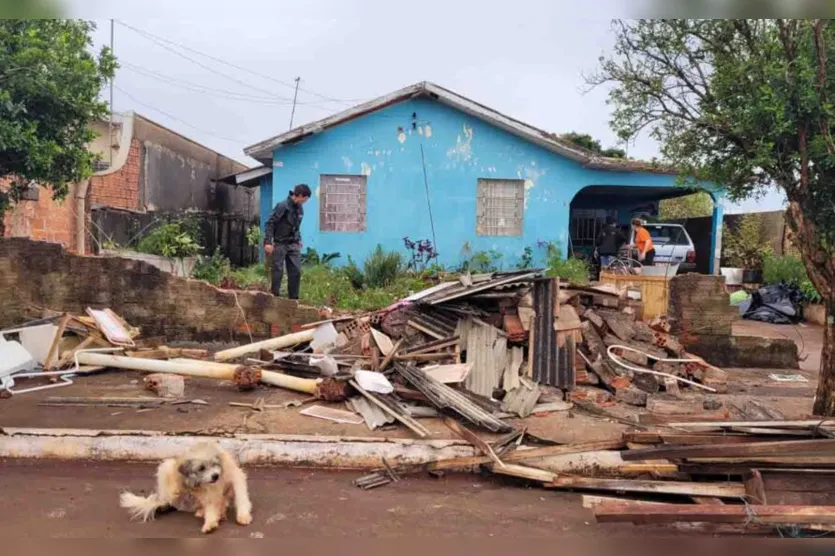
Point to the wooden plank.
(718, 490)
(526, 455)
(780, 448)
(391, 355)
(801, 424)
(53, 354)
(425, 330)
(530, 473)
(629, 512)
(687, 439)
(473, 439)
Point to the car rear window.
(668, 235)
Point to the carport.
(593, 204)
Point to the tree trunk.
(825, 397)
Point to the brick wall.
(121, 188)
(44, 220)
(39, 274)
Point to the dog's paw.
(208, 527)
(199, 514)
(244, 518)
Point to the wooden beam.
(526, 455)
(823, 447)
(801, 424)
(719, 490)
(687, 439)
(53, 354)
(530, 473)
(473, 439)
(629, 512)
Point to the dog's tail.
(142, 507)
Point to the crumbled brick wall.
(121, 188)
(44, 220)
(700, 306)
(746, 352)
(40, 274)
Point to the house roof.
(263, 150)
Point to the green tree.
(589, 143)
(689, 206)
(747, 104)
(49, 86)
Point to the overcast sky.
(525, 58)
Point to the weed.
(576, 271)
(254, 236)
(526, 261)
(381, 268)
(483, 262)
(311, 257)
(354, 274)
(212, 269)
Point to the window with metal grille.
(342, 203)
(500, 207)
(100, 165)
(586, 225)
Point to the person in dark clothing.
(283, 240)
(609, 242)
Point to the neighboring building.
(146, 171)
(425, 157)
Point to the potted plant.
(744, 250)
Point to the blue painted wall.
(458, 149)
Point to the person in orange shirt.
(643, 241)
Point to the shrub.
(745, 246)
(354, 274)
(576, 271)
(526, 260)
(787, 269)
(252, 277)
(421, 253)
(381, 268)
(176, 239)
(790, 270)
(212, 269)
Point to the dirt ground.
(794, 400)
(80, 500)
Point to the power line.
(175, 118)
(199, 63)
(157, 38)
(195, 87)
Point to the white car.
(672, 246)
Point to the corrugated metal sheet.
(460, 291)
(545, 349)
(553, 352)
(482, 347)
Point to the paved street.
(60, 499)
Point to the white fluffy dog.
(206, 473)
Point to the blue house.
(426, 163)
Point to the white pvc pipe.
(272, 344)
(656, 373)
(226, 372)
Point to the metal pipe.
(656, 373)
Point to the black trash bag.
(777, 304)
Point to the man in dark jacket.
(283, 240)
(609, 242)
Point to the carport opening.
(595, 203)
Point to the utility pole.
(110, 125)
(295, 96)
